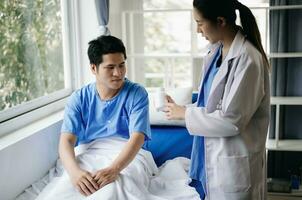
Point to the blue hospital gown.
(89, 118)
(197, 169)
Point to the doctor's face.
(111, 72)
(207, 28)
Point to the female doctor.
(230, 119)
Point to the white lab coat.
(235, 124)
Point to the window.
(163, 47)
(33, 69)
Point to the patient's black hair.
(104, 45)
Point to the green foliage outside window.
(31, 60)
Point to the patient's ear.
(93, 68)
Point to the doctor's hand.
(84, 182)
(105, 176)
(168, 99)
(174, 111)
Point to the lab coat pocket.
(234, 173)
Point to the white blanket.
(141, 180)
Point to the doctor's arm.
(239, 105)
(110, 174)
(80, 178)
(199, 121)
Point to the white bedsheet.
(141, 180)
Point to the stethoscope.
(219, 105)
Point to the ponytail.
(211, 9)
(250, 28)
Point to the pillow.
(181, 96)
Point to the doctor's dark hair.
(211, 9)
(104, 45)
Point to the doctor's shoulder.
(250, 56)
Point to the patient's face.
(111, 72)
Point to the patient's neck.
(106, 93)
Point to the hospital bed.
(171, 141)
(168, 142)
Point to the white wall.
(28, 160)
(88, 28)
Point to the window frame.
(20, 115)
(138, 75)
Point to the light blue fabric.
(88, 117)
(197, 169)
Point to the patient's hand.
(84, 182)
(105, 176)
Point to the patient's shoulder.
(136, 95)
(82, 95)
(136, 90)
(88, 90)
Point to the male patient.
(112, 106)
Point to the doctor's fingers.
(169, 115)
(169, 99)
(171, 105)
(166, 109)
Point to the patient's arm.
(80, 178)
(110, 174)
